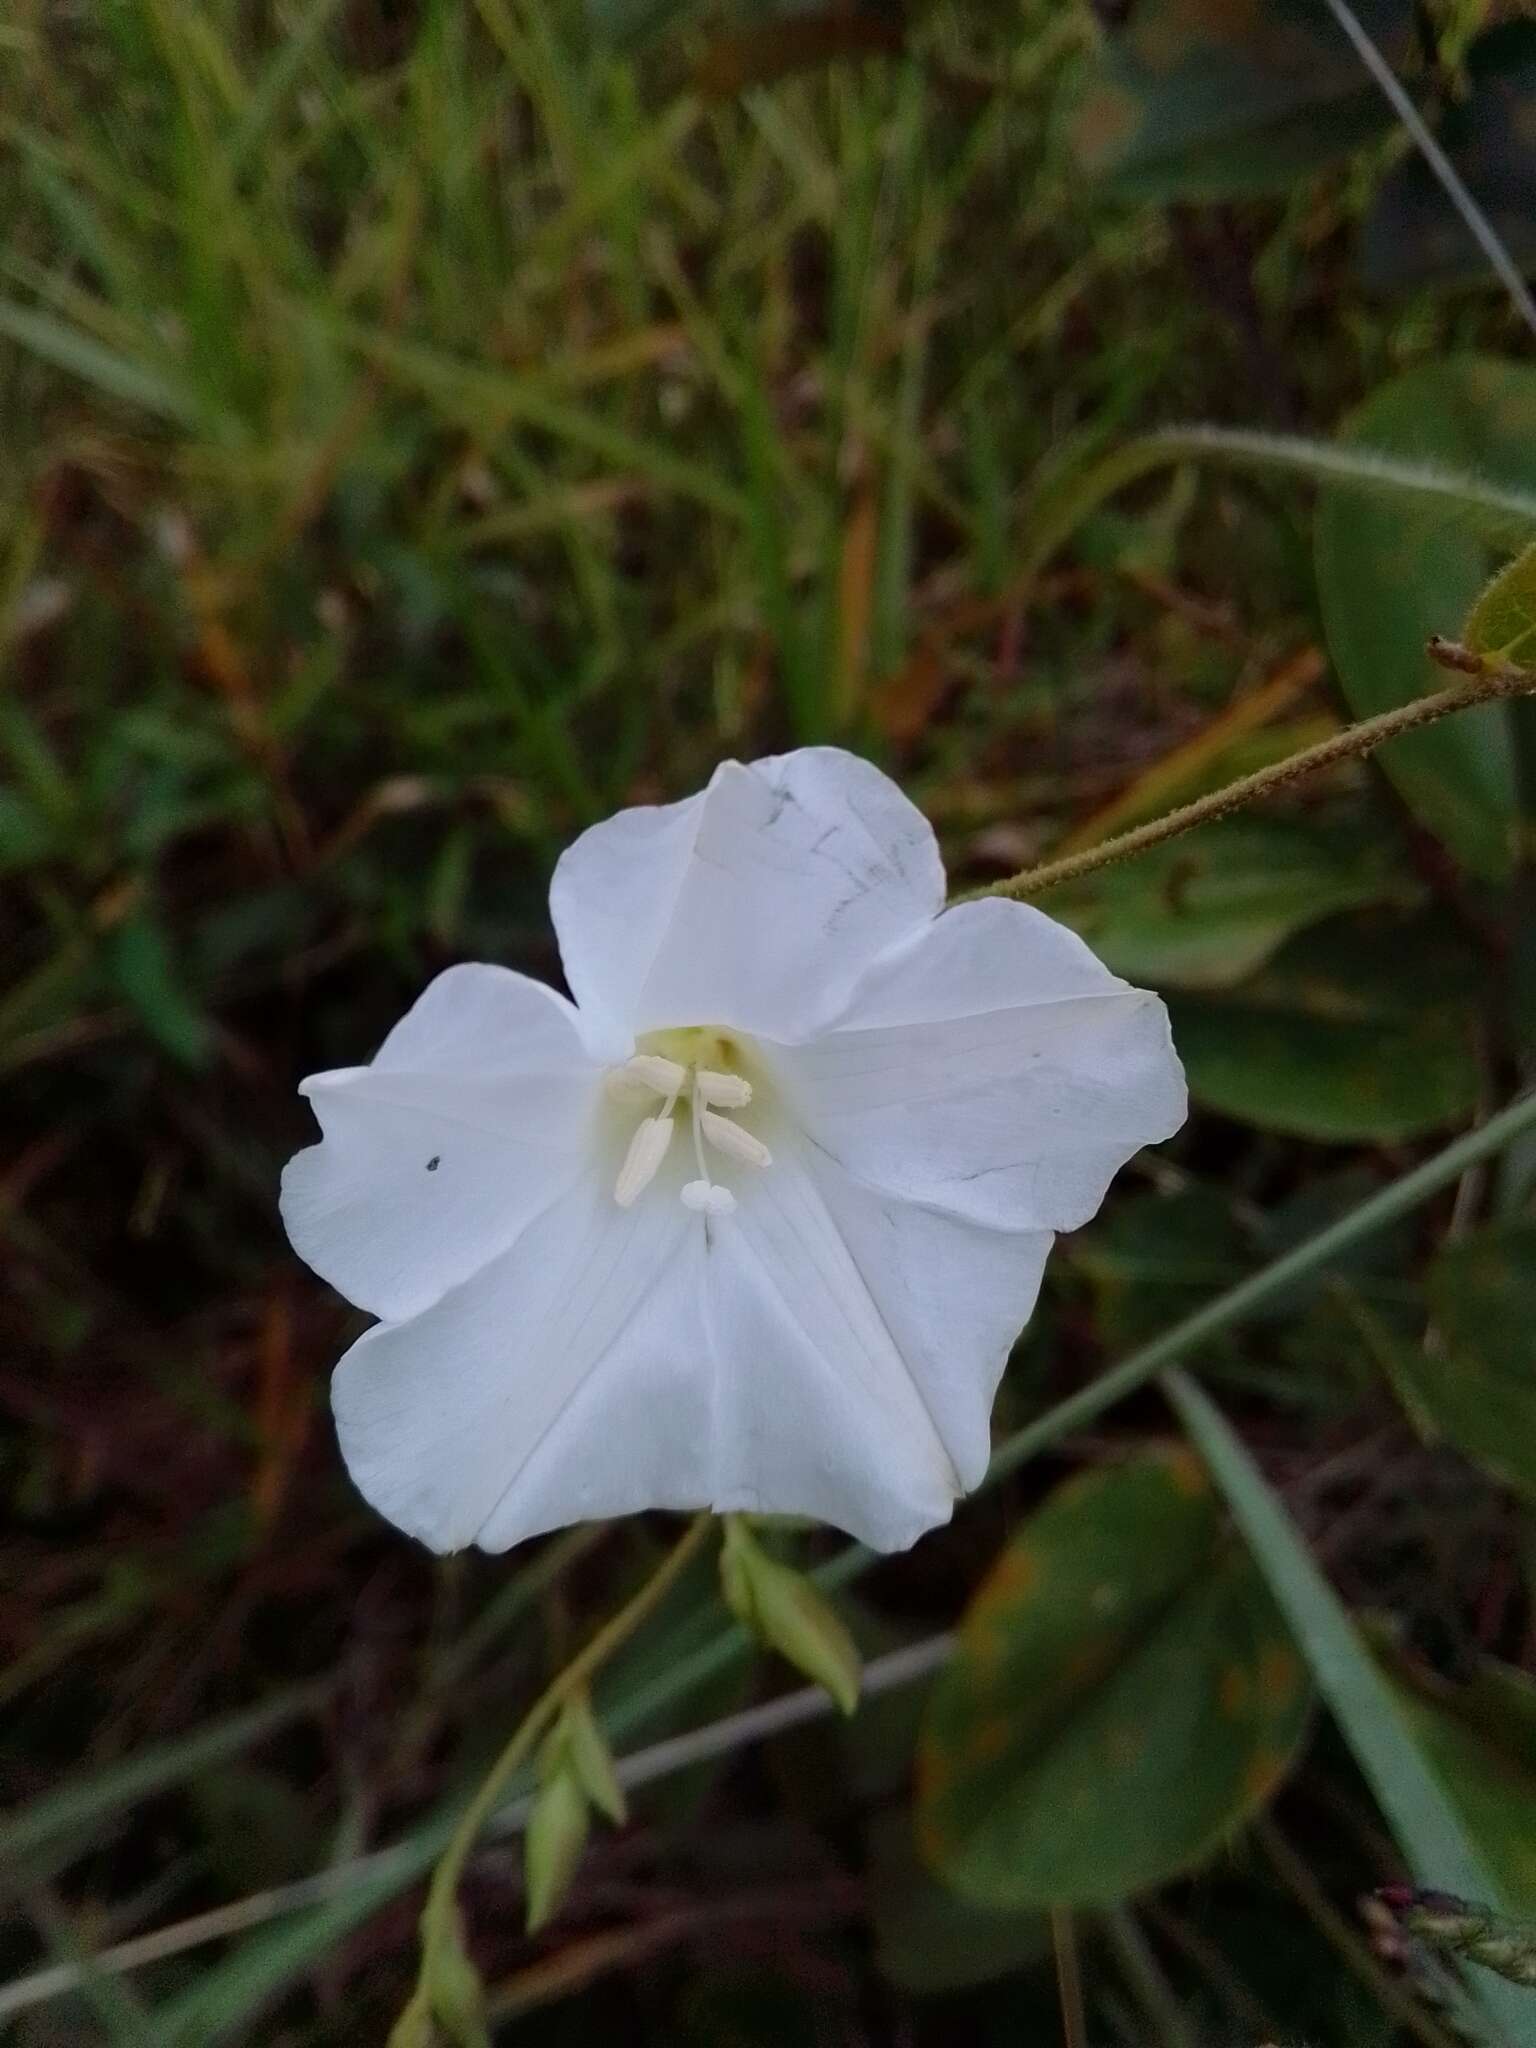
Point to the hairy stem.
(1486, 683)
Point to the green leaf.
(1413, 235)
(90, 1804)
(1207, 99)
(1390, 576)
(1350, 1037)
(117, 375)
(1476, 1385)
(146, 971)
(786, 1611)
(1204, 911)
(1502, 624)
(1123, 1696)
(1412, 1792)
(552, 1847)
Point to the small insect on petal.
(721, 1091)
(642, 1162)
(731, 1138)
(647, 1074)
(708, 1199)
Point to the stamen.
(731, 1138)
(708, 1198)
(645, 1075)
(721, 1091)
(642, 1162)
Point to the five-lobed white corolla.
(754, 1222)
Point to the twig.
(641, 1767)
(1487, 682)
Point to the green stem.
(439, 1930)
(1485, 687)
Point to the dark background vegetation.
(427, 427)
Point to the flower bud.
(552, 1845)
(782, 1608)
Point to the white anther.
(731, 1138)
(721, 1091)
(708, 1198)
(647, 1074)
(647, 1149)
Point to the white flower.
(751, 1224)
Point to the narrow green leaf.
(1424, 1819)
(75, 1808)
(146, 971)
(118, 376)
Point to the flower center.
(699, 1066)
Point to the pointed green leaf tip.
(552, 1846)
(1502, 624)
(784, 1610)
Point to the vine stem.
(1487, 682)
(439, 1927)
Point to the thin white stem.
(1478, 224)
(640, 1767)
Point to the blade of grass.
(118, 376)
(1424, 1822)
(278, 80)
(90, 1803)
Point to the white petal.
(475, 1116)
(566, 1381)
(754, 905)
(953, 1295)
(993, 1068)
(818, 1411)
